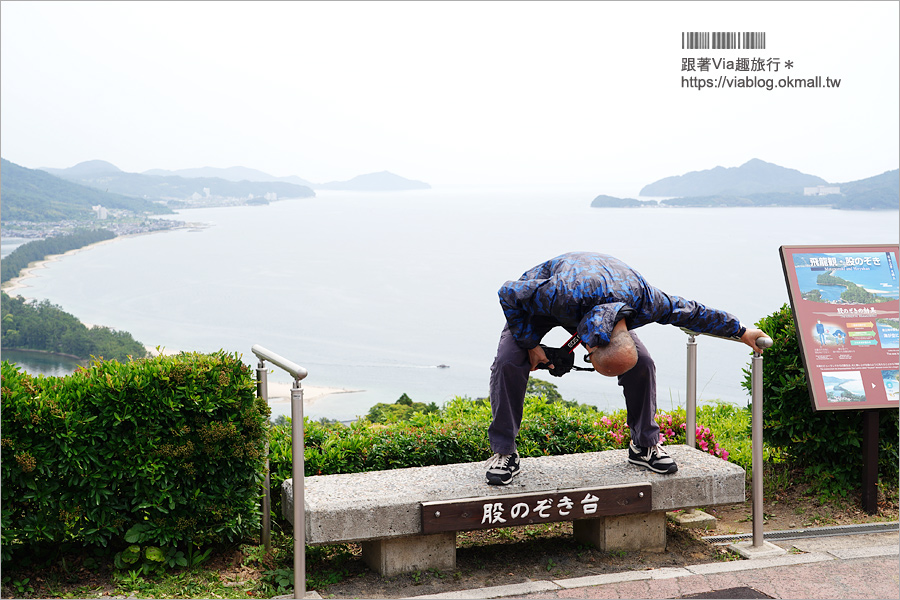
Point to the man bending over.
(602, 300)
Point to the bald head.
(618, 356)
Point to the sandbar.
(17, 283)
(281, 392)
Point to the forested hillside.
(32, 325)
(37, 250)
(34, 195)
(171, 187)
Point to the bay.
(42, 363)
(10, 244)
(372, 291)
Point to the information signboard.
(846, 303)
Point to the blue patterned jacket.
(587, 292)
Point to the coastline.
(280, 393)
(17, 283)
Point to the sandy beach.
(17, 283)
(14, 285)
(281, 393)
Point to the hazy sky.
(456, 92)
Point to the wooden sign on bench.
(490, 512)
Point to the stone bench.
(407, 519)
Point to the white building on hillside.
(821, 190)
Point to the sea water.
(374, 291)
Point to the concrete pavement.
(846, 567)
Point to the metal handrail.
(295, 370)
(298, 373)
(756, 439)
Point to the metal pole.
(298, 373)
(297, 454)
(691, 419)
(262, 391)
(870, 460)
(756, 380)
(691, 422)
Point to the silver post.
(691, 420)
(691, 408)
(299, 499)
(757, 443)
(298, 373)
(262, 391)
(756, 439)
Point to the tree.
(539, 387)
(401, 410)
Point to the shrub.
(401, 410)
(828, 444)
(171, 446)
(457, 433)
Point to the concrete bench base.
(646, 532)
(382, 510)
(394, 556)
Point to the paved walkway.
(852, 566)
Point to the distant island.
(757, 183)
(375, 182)
(753, 177)
(613, 202)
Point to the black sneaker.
(502, 468)
(654, 458)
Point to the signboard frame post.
(846, 310)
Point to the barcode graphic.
(723, 40)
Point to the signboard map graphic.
(846, 303)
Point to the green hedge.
(457, 433)
(827, 444)
(173, 445)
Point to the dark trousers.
(509, 378)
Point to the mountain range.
(753, 177)
(106, 176)
(759, 183)
(229, 174)
(383, 181)
(59, 194)
(35, 195)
